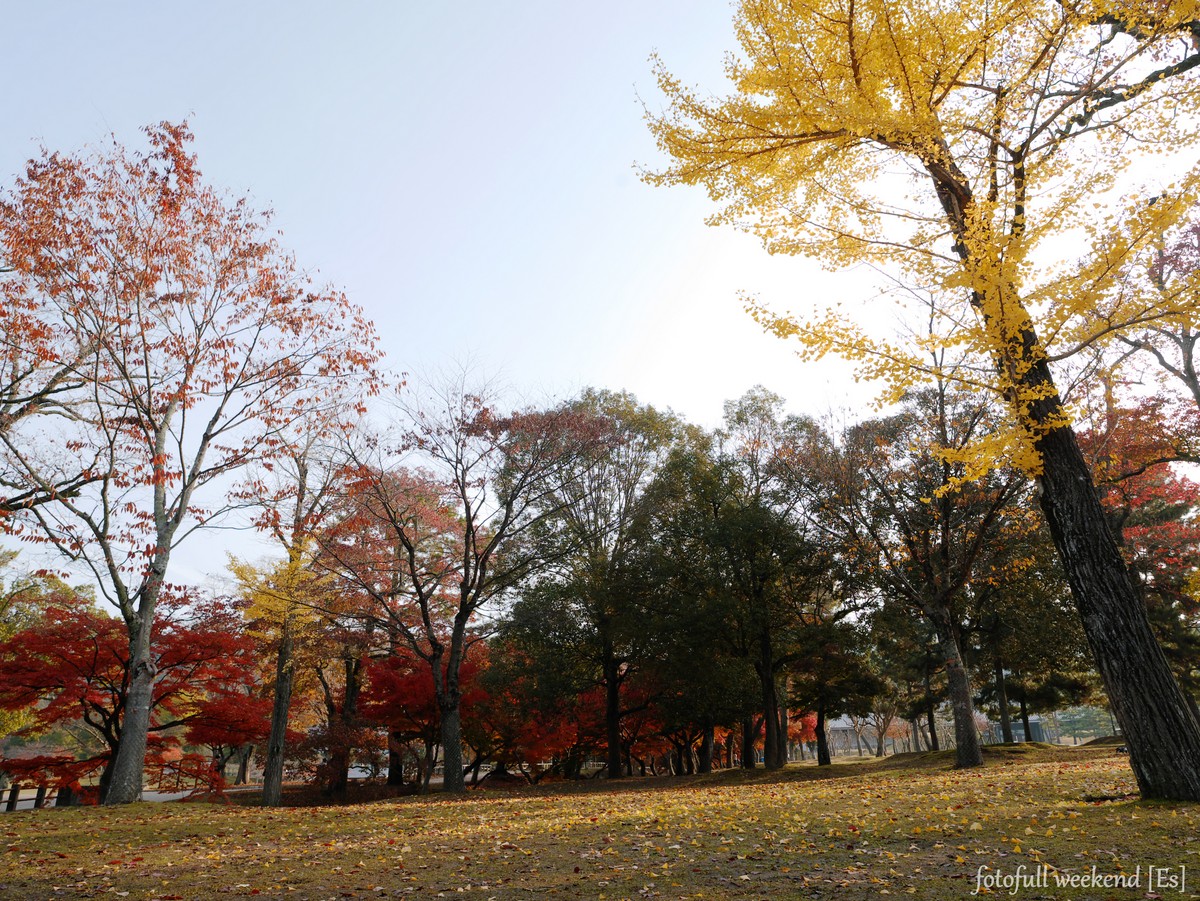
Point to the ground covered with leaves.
(908, 826)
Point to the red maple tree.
(73, 666)
(196, 346)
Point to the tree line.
(166, 363)
(482, 590)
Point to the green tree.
(738, 524)
(591, 539)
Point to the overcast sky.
(466, 171)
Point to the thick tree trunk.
(774, 756)
(243, 772)
(349, 722)
(823, 758)
(395, 774)
(1002, 701)
(272, 795)
(453, 779)
(124, 784)
(967, 752)
(1162, 735)
(771, 737)
(749, 734)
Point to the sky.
(466, 171)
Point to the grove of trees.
(488, 589)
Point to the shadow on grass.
(807, 771)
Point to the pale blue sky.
(465, 170)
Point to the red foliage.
(1151, 505)
(803, 727)
(230, 719)
(73, 664)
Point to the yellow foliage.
(287, 595)
(981, 151)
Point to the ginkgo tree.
(980, 151)
(206, 344)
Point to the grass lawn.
(907, 826)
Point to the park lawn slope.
(908, 826)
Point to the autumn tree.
(284, 603)
(24, 596)
(535, 716)
(206, 344)
(293, 497)
(441, 516)
(74, 665)
(963, 147)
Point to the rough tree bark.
(272, 795)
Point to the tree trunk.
(428, 764)
(773, 757)
(930, 709)
(272, 795)
(706, 748)
(1162, 735)
(612, 713)
(823, 758)
(1002, 701)
(750, 727)
(930, 715)
(125, 776)
(1025, 719)
(967, 752)
(243, 773)
(918, 738)
(395, 774)
(348, 721)
(453, 779)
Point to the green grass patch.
(906, 826)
